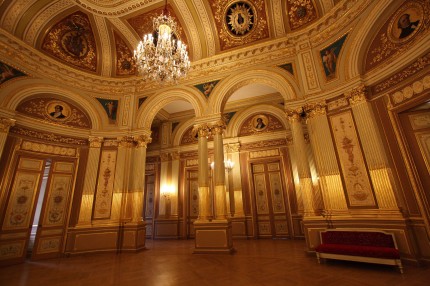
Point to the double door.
(271, 212)
(37, 207)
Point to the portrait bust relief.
(259, 122)
(406, 22)
(57, 110)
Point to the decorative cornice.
(48, 148)
(113, 8)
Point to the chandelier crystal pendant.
(161, 56)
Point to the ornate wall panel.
(359, 191)
(103, 200)
(124, 57)
(57, 202)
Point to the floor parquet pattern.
(172, 262)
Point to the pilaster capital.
(315, 109)
(232, 147)
(175, 155)
(125, 141)
(142, 140)
(164, 157)
(95, 142)
(6, 123)
(357, 95)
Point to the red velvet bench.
(371, 246)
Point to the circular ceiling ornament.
(240, 18)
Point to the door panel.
(55, 210)
(193, 201)
(149, 203)
(271, 210)
(19, 213)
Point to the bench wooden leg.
(318, 257)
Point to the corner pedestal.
(213, 237)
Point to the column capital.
(95, 141)
(202, 130)
(218, 126)
(295, 115)
(142, 140)
(357, 95)
(6, 123)
(175, 155)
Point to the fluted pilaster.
(5, 124)
(325, 159)
(376, 158)
(90, 180)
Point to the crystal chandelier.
(161, 56)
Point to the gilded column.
(325, 159)
(233, 150)
(219, 172)
(5, 124)
(302, 161)
(203, 174)
(90, 181)
(138, 178)
(380, 172)
(164, 184)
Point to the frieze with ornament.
(72, 40)
(47, 136)
(48, 149)
(419, 65)
(301, 13)
(263, 144)
(410, 91)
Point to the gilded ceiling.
(99, 36)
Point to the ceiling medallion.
(240, 18)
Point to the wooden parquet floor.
(171, 262)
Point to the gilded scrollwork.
(47, 136)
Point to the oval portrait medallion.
(240, 18)
(405, 23)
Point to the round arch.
(270, 77)
(154, 103)
(32, 87)
(177, 136)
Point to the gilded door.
(271, 212)
(54, 217)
